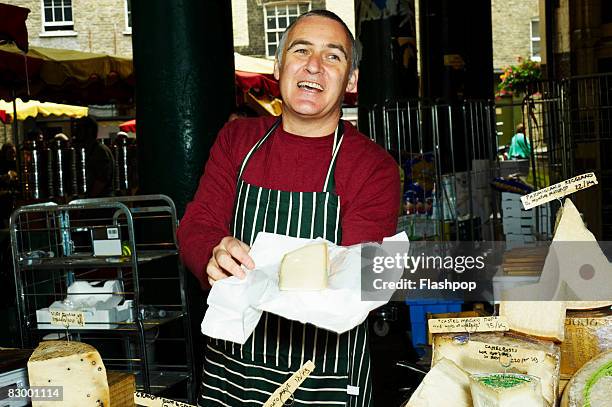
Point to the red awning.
(130, 126)
(13, 27)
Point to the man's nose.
(313, 65)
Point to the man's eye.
(301, 51)
(334, 57)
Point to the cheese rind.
(76, 367)
(305, 269)
(445, 385)
(506, 390)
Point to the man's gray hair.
(355, 48)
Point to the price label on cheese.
(507, 355)
(286, 390)
(559, 190)
(148, 400)
(474, 324)
(67, 318)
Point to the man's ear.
(351, 86)
(276, 69)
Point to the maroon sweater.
(367, 181)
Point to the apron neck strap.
(330, 180)
(330, 183)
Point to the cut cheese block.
(541, 319)
(445, 385)
(76, 367)
(591, 385)
(506, 390)
(306, 268)
(488, 353)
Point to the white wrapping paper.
(235, 306)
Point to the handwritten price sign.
(286, 390)
(556, 191)
(67, 318)
(475, 324)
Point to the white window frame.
(128, 13)
(46, 24)
(534, 37)
(279, 31)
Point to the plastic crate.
(418, 316)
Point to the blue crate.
(418, 316)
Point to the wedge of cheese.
(541, 319)
(76, 367)
(506, 390)
(591, 385)
(305, 269)
(576, 271)
(445, 385)
(488, 353)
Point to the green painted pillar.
(184, 63)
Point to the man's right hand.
(226, 259)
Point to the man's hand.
(226, 259)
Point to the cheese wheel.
(445, 385)
(75, 366)
(591, 385)
(305, 268)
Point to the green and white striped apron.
(246, 375)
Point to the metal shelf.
(122, 327)
(147, 226)
(85, 261)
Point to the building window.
(128, 15)
(535, 40)
(277, 17)
(57, 15)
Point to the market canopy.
(60, 74)
(130, 126)
(34, 108)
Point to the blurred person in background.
(99, 161)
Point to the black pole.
(184, 65)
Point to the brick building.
(516, 31)
(101, 26)
(258, 24)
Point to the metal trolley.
(124, 250)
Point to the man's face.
(315, 68)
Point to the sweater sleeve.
(207, 218)
(372, 213)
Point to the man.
(308, 174)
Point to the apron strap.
(256, 146)
(330, 183)
(330, 180)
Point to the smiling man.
(306, 174)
